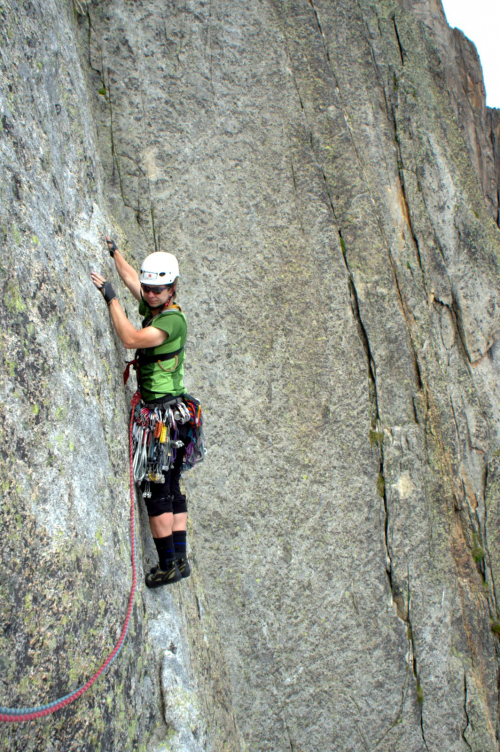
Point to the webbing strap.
(144, 359)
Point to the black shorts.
(161, 501)
(167, 497)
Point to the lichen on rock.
(327, 174)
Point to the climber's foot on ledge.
(184, 568)
(158, 577)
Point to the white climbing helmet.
(159, 269)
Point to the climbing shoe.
(184, 568)
(158, 577)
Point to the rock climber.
(160, 383)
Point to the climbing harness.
(20, 715)
(156, 438)
(142, 360)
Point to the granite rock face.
(327, 174)
(66, 576)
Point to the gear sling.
(156, 436)
(142, 359)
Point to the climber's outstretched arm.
(131, 337)
(127, 273)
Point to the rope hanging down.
(19, 715)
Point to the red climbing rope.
(19, 715)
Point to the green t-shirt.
(165, 376)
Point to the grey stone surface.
(66, 575)
(327, 174)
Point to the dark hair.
(174, 286)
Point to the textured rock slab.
(315, 182)
(65, 554)
(325, 174)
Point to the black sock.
(180, 544)
(166, 551)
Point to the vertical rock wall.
(455, 63)
(65, 532)
(326, 174)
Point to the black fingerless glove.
(112, 247)
(107, 292)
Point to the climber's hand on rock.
(97, 280)
(112, 247)
(104, 287)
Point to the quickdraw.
(156, 439)
(195, 450)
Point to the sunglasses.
(157, 289)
